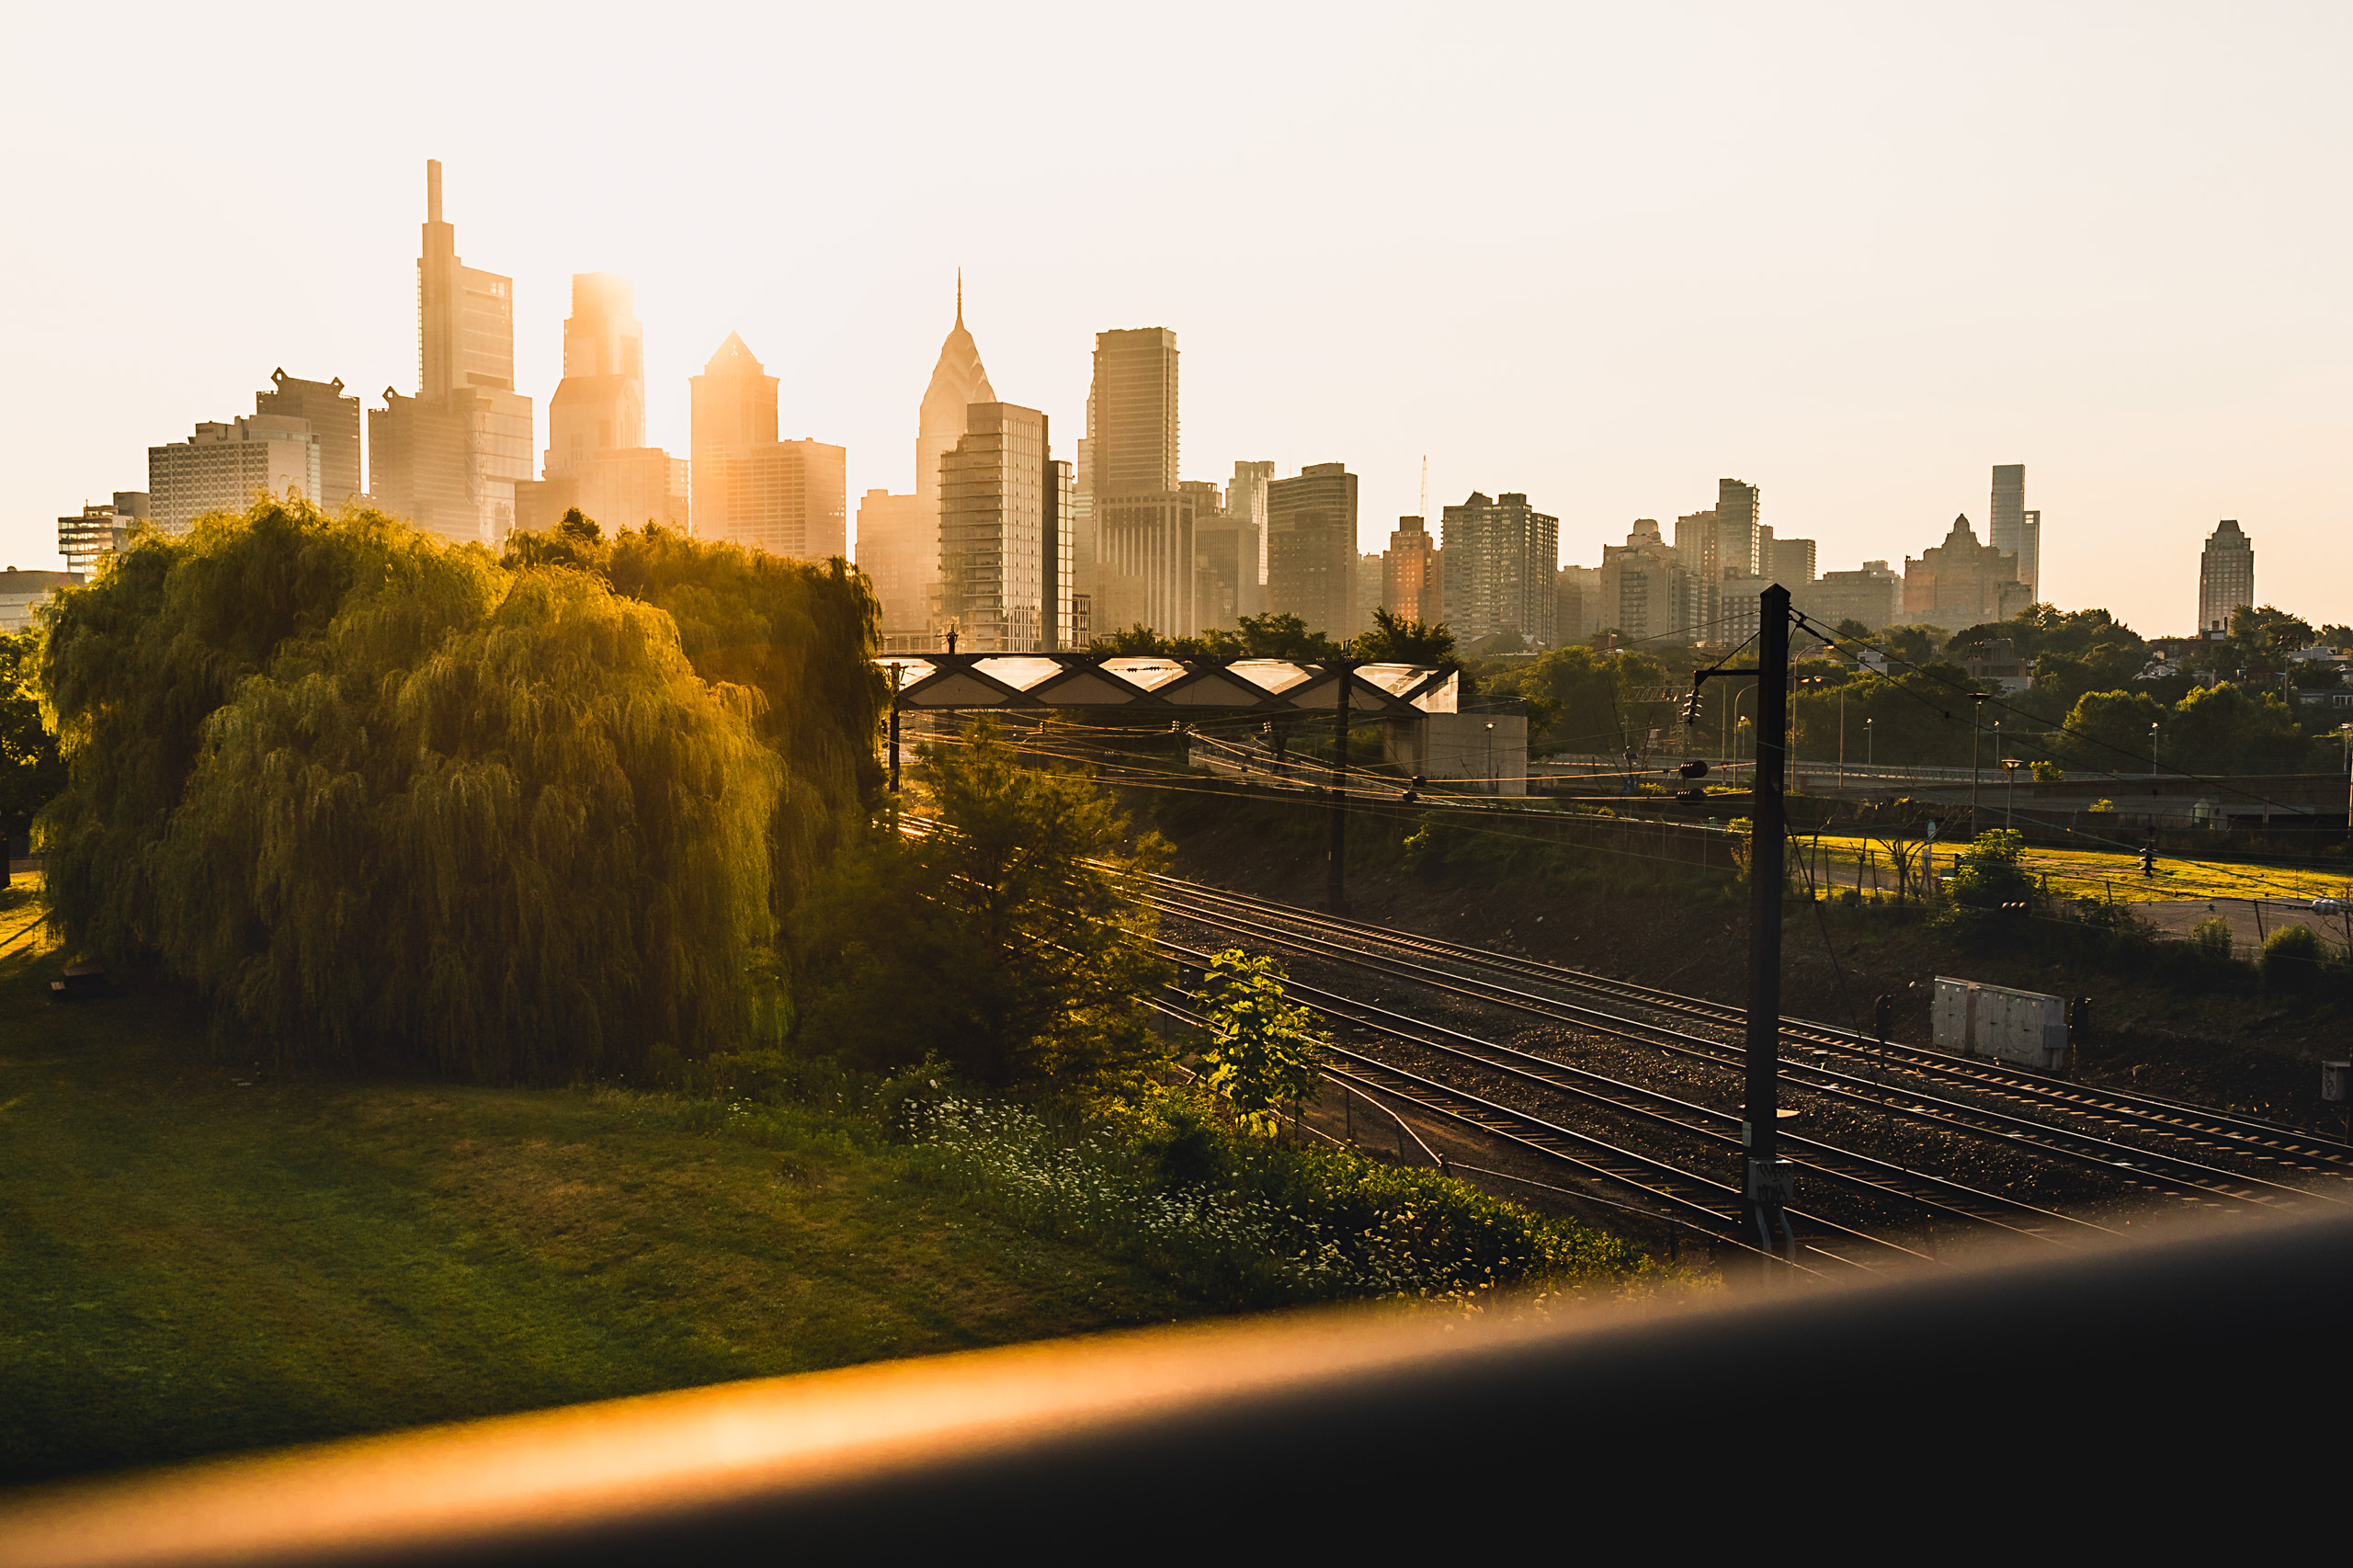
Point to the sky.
(1603, 255)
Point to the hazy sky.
(1855, 254)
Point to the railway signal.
(1694, 771)
(1692, 709)
(2149, 861)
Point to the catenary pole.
(1765, 1191)
(1337, 893)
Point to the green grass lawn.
(196, 1259)
(2092, 873)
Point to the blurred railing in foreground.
(2136, 1392)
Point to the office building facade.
(1646, 595)
(788, 498)
(1312, 548)
(2010, 526)
(1500, 559)
(449, 458)
(1576, 599)
(2225, 575)
(1961, 582)
(1873, 596)
(596, 458)
(1146, 553)
(898, 548)
(222, 466)
(1412, 582)
(333, 422)
(1003, 533)
(100, 530)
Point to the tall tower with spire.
(449, 458)
(958, 381)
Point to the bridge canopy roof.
(1148, 682)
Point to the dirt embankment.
(2253, 1052)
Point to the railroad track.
(1404, 956)
(1685, 1196)
(2212, 1130)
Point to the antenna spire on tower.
(959, 296)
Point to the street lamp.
(1870, 747)
(2153, 750)
(2010, 805)
(1976, 733)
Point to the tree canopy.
(391, 801)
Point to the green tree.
(2226, 729)
(1012, 938)
(1400, 640)
(2107, 731)
(1263, 1050)
(388, 803)
(2263, 636)
(1582, 699)
(32, 768)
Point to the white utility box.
(2025, 1027)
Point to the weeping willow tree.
(799, 634)
(390, 802)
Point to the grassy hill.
(199, 1259)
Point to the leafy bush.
(2210, 939)
(2292, 957)
(1262, 1051)
(1242, 1220)
(1012, 938)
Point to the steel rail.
(2216, 1130)
(1687, 1193)
(2060, 1142)
(1856, 1172)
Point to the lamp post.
(2153, 750)
(1976, 733)
(2010, 805)
(1870, 747)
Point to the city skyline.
(2153, 384)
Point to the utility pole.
(1976, 733)
(1336, 892)
(1766, 1192)
(896, 671)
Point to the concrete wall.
(1486, 752)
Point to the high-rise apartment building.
(21, 593)
(2009, 526)
(1003, 534)
(2225, 575)
(1577, 597)
(1312, 548)
(1225, 560)
(1146, 563)
(221, 467)
(99, 531)
(1246, 497)
(787, 497)
(1646, 593)
(1500, 557)
(1961, 582)
(596, 456)
(1788, 562)
(449, 458)
(333, 420)
(1411, 585)
(1873, 597)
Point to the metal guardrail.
(1320, 1427)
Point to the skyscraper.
(1131, 418)
(2225, 575)
(1002, 534)
(1312, 548)
(900, 534)
(596, 456)
(1646, 592)
(2009, 526)
(1788, 562)
(220, 467)
(1247, 497)
(333, 420)
(1135, 544)
(1500, 557)
(787, 497)
(1227, 547)
(449, 458)
(1410, 585)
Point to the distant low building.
(99, 531)
(1576, 600)
(20, 591)
(1873, 595)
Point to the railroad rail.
(1354, 943)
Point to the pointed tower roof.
(734, 358)
(958, 377)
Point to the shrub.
(2210, 939)
(2292, 957)
(1262, 1051)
